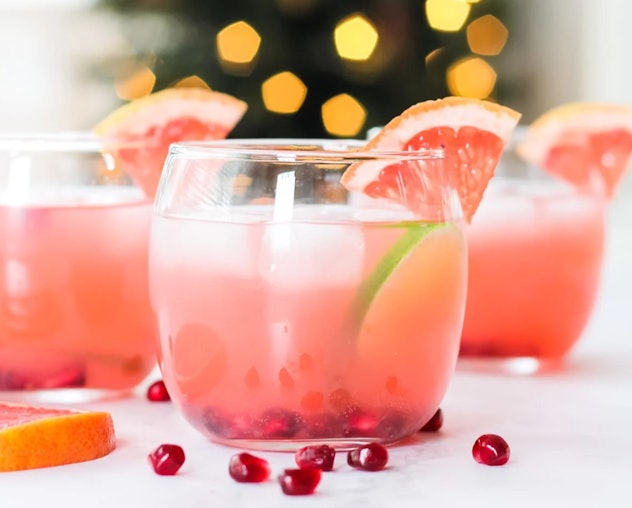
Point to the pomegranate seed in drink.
(435, 423)
(299, 482)
(167, 459)
(370, 457)
(246, 468)
(321, 457)
(157, 392)
(491, 450)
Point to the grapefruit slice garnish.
(142, 130)
(34, 437)
(586, 144)
(472, 133)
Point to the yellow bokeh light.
(283, 93)
(355, 38)
(238, 43)
(343, 115)
(140, 83)
(471, 77)
(447, 15)
(433, 55)
(487, 35)
(192, 82)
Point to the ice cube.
(298, 255)
(207, 246)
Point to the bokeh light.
(135, 85)
(487, 35)
(237, 46)
(471, 77)
(192, 82)
(283, 93)
(355, 38)
(343, 115)
(447, 15)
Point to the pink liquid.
(534, 266)
(259, 340)
(74, 306)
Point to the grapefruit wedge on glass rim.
(35, 437)
(142, 130)
(472, 133)
(586, 144)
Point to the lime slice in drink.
(415, 295)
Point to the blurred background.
(307, 67)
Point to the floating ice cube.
(299, 255)
(215, 247)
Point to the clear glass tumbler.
(535, 255)
(75, 321)
(291, 311)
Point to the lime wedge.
(367, 291)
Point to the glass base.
(292, 445)
(519, 365)
(63, 395)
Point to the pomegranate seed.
(321, 425)
(360, 423)
(247, 468)
(435, 423)
(280, 424)
(491, 450)
(167, 459)
(370, 457)
(321, 457)
(157, 392)
(299, 482)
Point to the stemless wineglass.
(75, 321)
(292, 311)
(535, 254)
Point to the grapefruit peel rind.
(596, 138)
(571, 120)
(134, 118)
(52, 437)
(452, 112)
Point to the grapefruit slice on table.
(143, 129)
(34, 437)
(473, 134)
(586, 144)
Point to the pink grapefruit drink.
(314, 318)
(74, 304)
(535, 255)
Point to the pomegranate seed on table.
(167, 459)
(435, 423)
(321, 457)
(370, 457)
(157, 392)
(246, 468)
(299, 482)
(491, 450)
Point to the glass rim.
(290, 150)
(62, 141)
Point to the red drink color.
(74, 307)
(534, 267)
(259, 341)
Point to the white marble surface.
(570, 432)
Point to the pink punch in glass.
(285, 314)
(535, 253)
(75, 320)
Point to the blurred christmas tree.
(311, 68)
